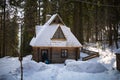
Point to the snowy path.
(55, 70)
(49, 74)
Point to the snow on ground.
(8, 64)
(32, 67)
(85, 66)
(107, 57)
(102, 68)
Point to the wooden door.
(44, 55)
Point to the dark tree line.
(89, 20)
(8, 28)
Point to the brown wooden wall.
(35, 56)
(118, 61)
(54, 54)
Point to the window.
(57, 20)
(59, 34)
(64, 53)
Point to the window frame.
(58, 35)
(63, 53)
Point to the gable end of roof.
(55, 19)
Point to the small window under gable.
(57, 20)
(58, 35)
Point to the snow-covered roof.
(37, 28)
(44, 36)
(117, 51)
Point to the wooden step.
(90, 57)
(91, 54)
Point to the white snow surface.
(85, 66)
(101, 68)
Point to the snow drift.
(31, 67)
(89, 67)
(7, 77)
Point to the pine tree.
(29, 25)
(10, 37)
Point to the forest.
(91, 21)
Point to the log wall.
(54, 54)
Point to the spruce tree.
(29, 25)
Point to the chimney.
(48, 17)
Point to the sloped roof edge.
(52, 18)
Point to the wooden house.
(55, 42)
(118, 59)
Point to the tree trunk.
(96, 24)
(110, 35)
(78, 27)
(116, 35)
